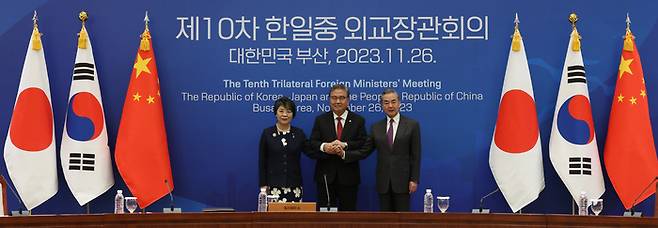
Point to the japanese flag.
(30, 144)
(515, 155)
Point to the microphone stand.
(171, 208)
(632, 212)
(328, 208)
(481, 210)
(20, 202)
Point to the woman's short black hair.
(286, 103)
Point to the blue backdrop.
(213, 145)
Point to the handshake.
(336, 147)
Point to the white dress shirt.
(343, 120)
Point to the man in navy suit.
(397, 140)
(333, 134)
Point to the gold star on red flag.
(136, 96)
(141, 65)
(625, 66)
(150, 100)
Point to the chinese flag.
(630, 153)
(141, 151)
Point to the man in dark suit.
(333, 133)
(397, 140)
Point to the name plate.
(291, 207)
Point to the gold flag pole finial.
(83, 36)
(146, 20)
(145, 44)
(516, 38)
(575, 39)
(36, 36)
(628, 38)
(35, 19)
(573, 18)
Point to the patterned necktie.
(339, 128)
(389, 133)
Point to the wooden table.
(328, 220)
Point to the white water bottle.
(428, 201)
(118, 202)
(262, 200)
(582, 208)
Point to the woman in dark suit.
(279, 154)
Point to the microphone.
(481, 209)
(20, 202)
(171, 208)
(171, 196)
(326, 188)
(486, 196)
(632, 210)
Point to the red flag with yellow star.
(141, 150)
(630, 153)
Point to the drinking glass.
(131, 203)
(597, 206)
(444, 203)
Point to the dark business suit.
(343, 177)
(278, 164)
(396, 165)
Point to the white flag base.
(480, 211)
(168, 210)
(328, 209)
(21, 213)
(632, 214)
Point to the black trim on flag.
(82, 161)
(83, 77)
(576, 73)
(576, 80)
(580, 166)
(88, 155)
(83, 70)
(84, 65)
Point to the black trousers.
(342, 196)
(391, 201)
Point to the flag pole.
(82, 36)
(36, 44)
(516, 37)
(628, 38)
(145, 43)
(575, 43)
(575, 46)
